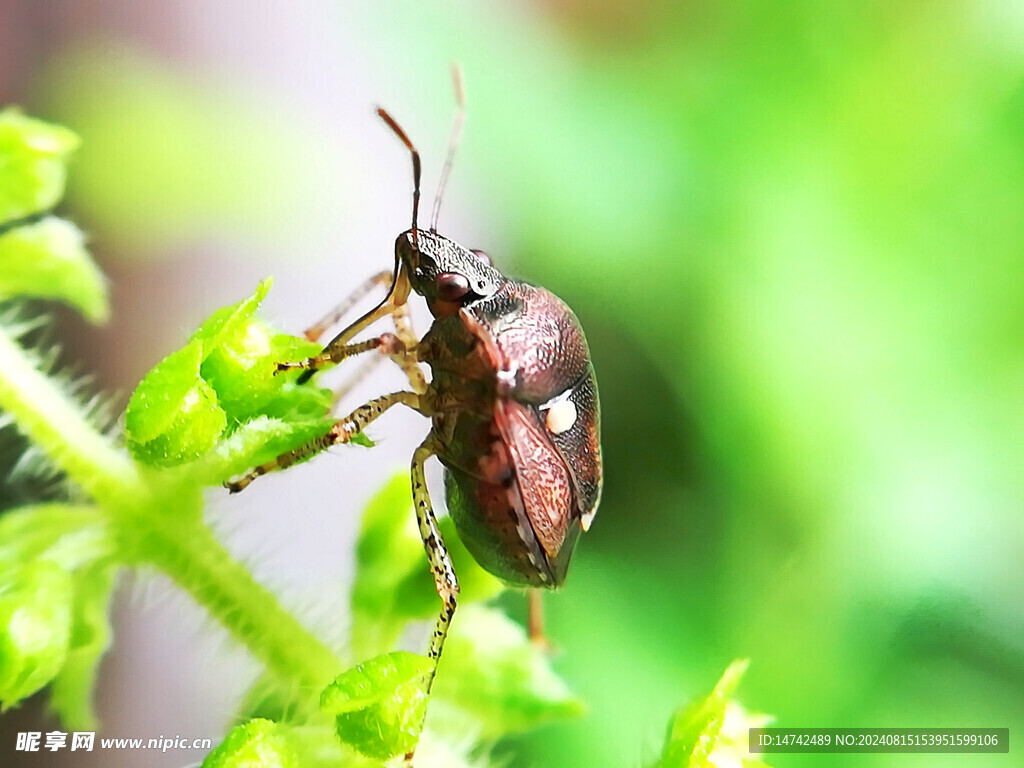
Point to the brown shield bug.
(512, 401)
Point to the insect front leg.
(408, 362)
(389, 345)
(404, 354)
(342, 431)
(445, 582)
(398, 294)
(335, 354)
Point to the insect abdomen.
(514, 503)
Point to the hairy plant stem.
(160, 523)
(51, 419)
(185, 549)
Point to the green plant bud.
(48, 260)
(173, 415)
(494, 681)
(379, 704)
(35, 627)
(255, 744)
(71, 694)
(33, 156)
(393, 584)
(694, 732)
(222, 380)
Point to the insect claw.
(237, 486)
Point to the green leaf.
(694, 732)
(416, 595)
(42, 259)
(492, 681)
(33, 157)
(71, 694)
(360, 438)
(222, 390)
(379, 705)
(242, 370)
(69, 538)
(227, 321)
(256, 442)
(173, 415)
(387, 551)
(48, 260)
(67, 534)
(255, 744)
(393, 583)
(35, 627)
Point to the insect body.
(515, 419)
(512, 401)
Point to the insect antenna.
(383, 114)
(399, 290)
(453, 140)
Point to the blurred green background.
(794, 233)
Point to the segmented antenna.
(453, 140)
(383, 114)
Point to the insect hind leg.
(445, 581)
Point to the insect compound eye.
(451, 286)
(483, 257)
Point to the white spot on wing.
(587, 519)
(561, 417)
